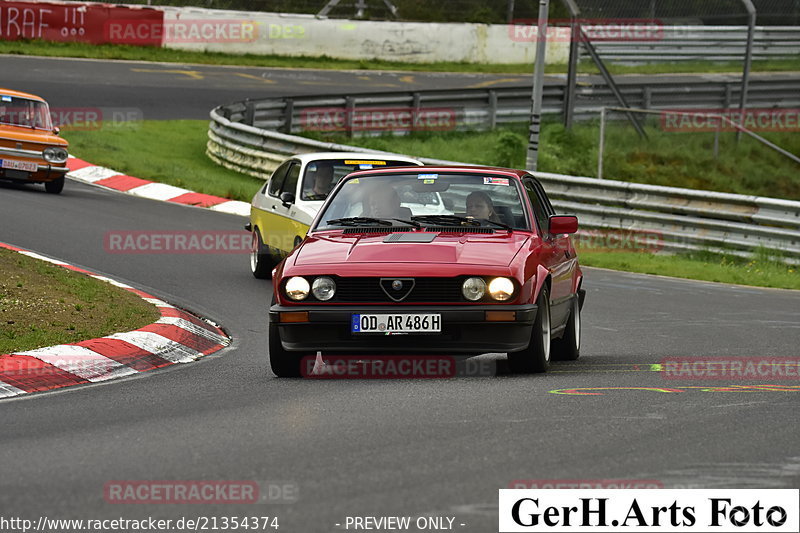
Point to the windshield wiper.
(449, 220)
(359, 221)
(409, 222)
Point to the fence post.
(349, 108)
(602, 143)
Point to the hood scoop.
(410, 237)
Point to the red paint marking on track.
(76, 164)
(125, 353)
(121, 182)
(198, 199)
(181, 336)
(31, 374)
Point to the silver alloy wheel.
(254, 252)
(546, 331)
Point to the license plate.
(27, 166)
(396, 323)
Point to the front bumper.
(43, 173)
(465, 330)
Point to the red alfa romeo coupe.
(494, 270)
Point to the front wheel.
(568, 347)
(260, 259)
(55, 186)
(536, 357)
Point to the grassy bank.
(175, 154)
(759, 270)
(42, 305)
(139, 53)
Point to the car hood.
(496, 249)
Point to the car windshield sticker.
(364, 166)
(354, 180)
(495, 181)
(359, 162)
(312, 167)
(428, 182)
(427, 177)
(6, 98)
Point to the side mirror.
(560, 224)
(287, 198)
(56, 130)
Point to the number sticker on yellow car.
(396, 323)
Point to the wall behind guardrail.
(683, 219)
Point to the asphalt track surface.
(388, 447)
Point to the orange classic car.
(30, 148)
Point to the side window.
(290, 182)
(539, 207)
(276, 181)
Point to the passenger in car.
(479, 205)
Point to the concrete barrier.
(414, 42)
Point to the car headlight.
(55, 154)
(501, 289)
(473, 289)
(323, 288)
(297, 288)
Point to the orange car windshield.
(16, 111)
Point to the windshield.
(18, 111)
(428, 199)
(321, 176)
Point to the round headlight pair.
(501, 289)
(297, 288)
(54, 154)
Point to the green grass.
(760, 270)
(166, 151)
(42, 305)
(139, 53)
(671, 159)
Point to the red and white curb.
(88, 173)
(177, 337)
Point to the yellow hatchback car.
(30, 149)
(283, 209)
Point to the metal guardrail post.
(288, 115)
(492, 109)
(249, 112)
(349, 109)
(748, 59)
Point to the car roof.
(18, 94)
(471, 169)
(316, 156)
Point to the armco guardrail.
(701, 43)
(476, 109)
(683, 219)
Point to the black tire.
(568, 347)
(55, 186)
(536, 357)
(260, 259)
